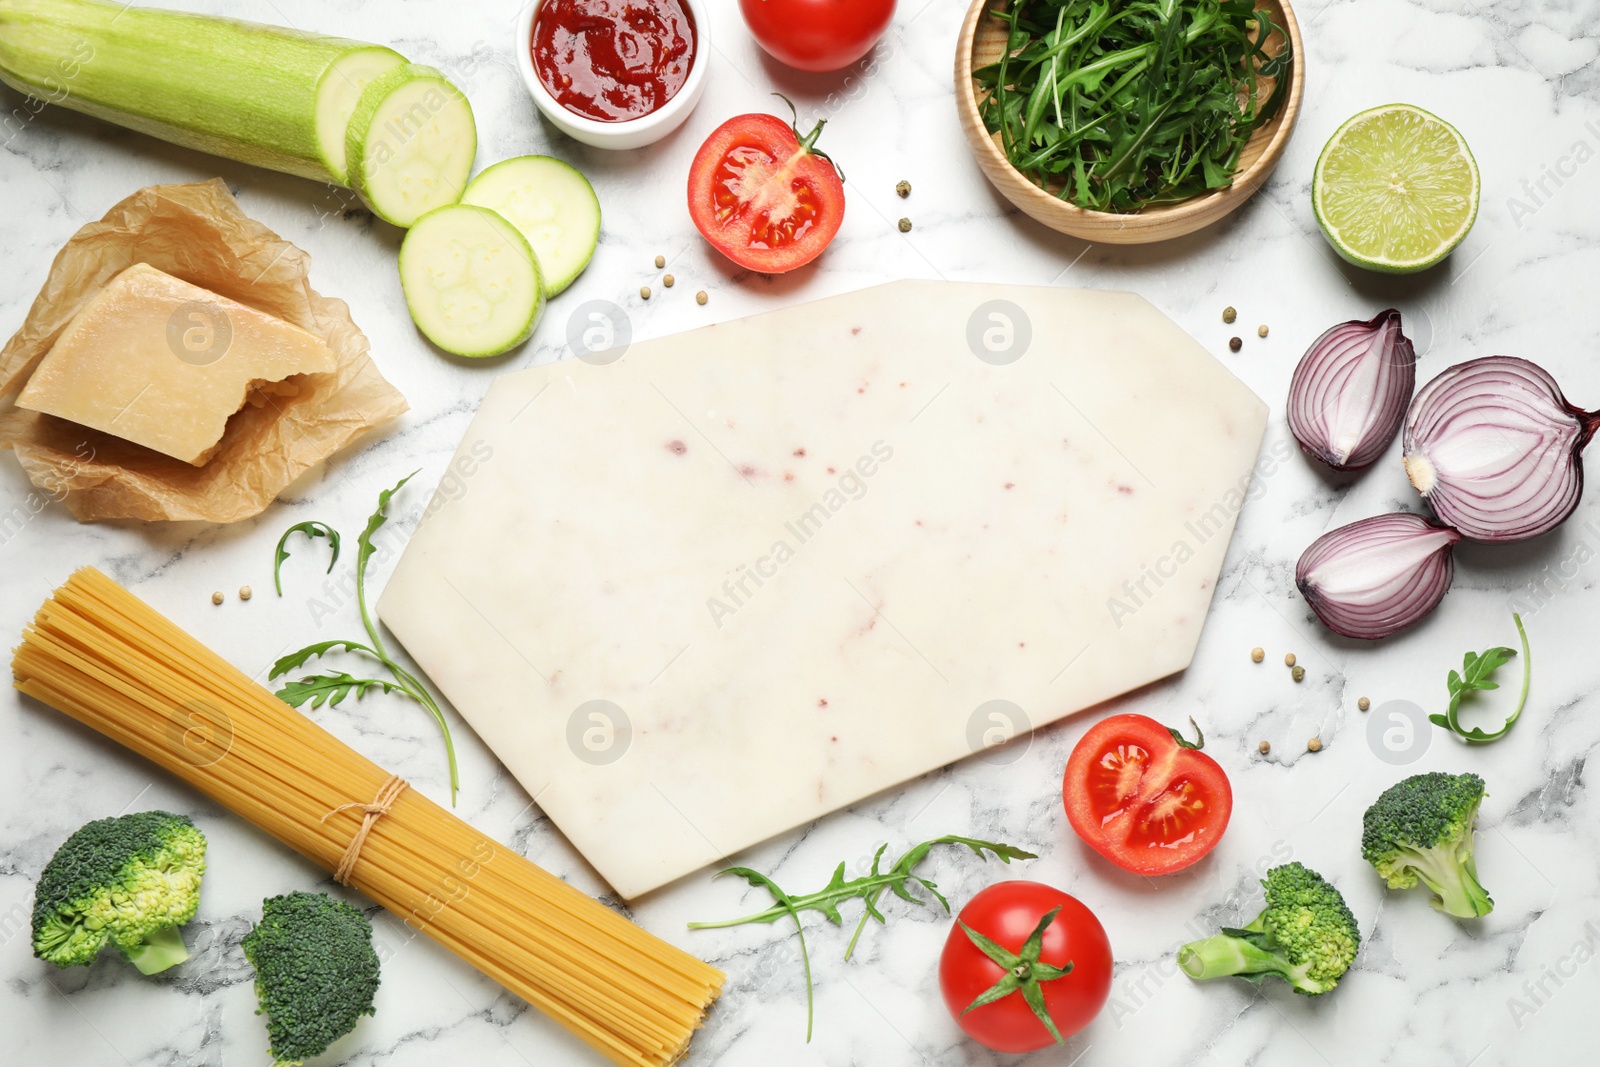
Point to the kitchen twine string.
(370, 814)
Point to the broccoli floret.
(1420, 829)
(1305, 935)
(316, 972)
(130, 881)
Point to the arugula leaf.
(365, 550)
(870, 886)
(310, 529)
(298, 659)
(1117, 106)
(759, 880)
(330, 689)
(868, 889)
(1476, 676)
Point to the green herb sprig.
(1475, 676)
(1115, 107)
(331, 688)
(310, 529)
(868, 888)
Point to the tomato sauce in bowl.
(613, 60)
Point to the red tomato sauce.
(613, 60)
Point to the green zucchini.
(471, 281)
(410, 144)
(552, 204)
(263, 95)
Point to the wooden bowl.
(983, 39)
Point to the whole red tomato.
(1011, 917)
(817, 35)
(1142, 798)
(763, 195)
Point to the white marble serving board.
(702, 590)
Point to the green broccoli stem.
(1454, 883)
(158, 951)
(1466, 899)
(1221, 955)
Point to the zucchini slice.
(471, 281)
(410, 144)
(552, 204)
(339, 91)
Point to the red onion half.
(1377, 576)
(1495, 449)
(1350, 389)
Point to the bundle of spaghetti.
(101, 655)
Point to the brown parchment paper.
(198, 233)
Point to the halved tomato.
(763, 195)
(1144, 799)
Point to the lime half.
(1395, 189)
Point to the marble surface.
(1518, 80)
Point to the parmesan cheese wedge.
(163, 364)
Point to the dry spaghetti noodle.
(104, 657)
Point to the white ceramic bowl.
(633, 133)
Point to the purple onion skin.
(1496, 449)
(1405, 564)
(1349, 391)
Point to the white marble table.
(1517, 79)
